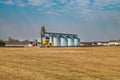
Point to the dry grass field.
(82, 63)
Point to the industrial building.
(58, 39)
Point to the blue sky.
(92, 20)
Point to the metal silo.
(76, 41)
(50, 39)
(70, 41)
(56, 40)
(63, 41)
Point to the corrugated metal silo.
(76, 41)
(64, 41)
(56, 40)
(70, 41)
(50, 39)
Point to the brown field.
(82, 63)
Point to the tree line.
(2, 43)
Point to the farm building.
(58, 39)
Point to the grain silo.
(63, 40)
(70, 41)
(56, 40)
(76, 41)
(50, 39)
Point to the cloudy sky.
(91, 19)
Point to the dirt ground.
(80, 63)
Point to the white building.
(114, 43)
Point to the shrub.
(2, 43)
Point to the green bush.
(2, 43)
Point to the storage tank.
(56, 40)
(70, 41)
(50, 39)
(64, 41)
(76, 41)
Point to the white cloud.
(101, 4)
(69, 4)
(21, 5)
(72, 6)
(83, 2)
(63, 1)
(14, 2)
(8, 2)
(72, 2)
(36, 2)
(49, 4)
